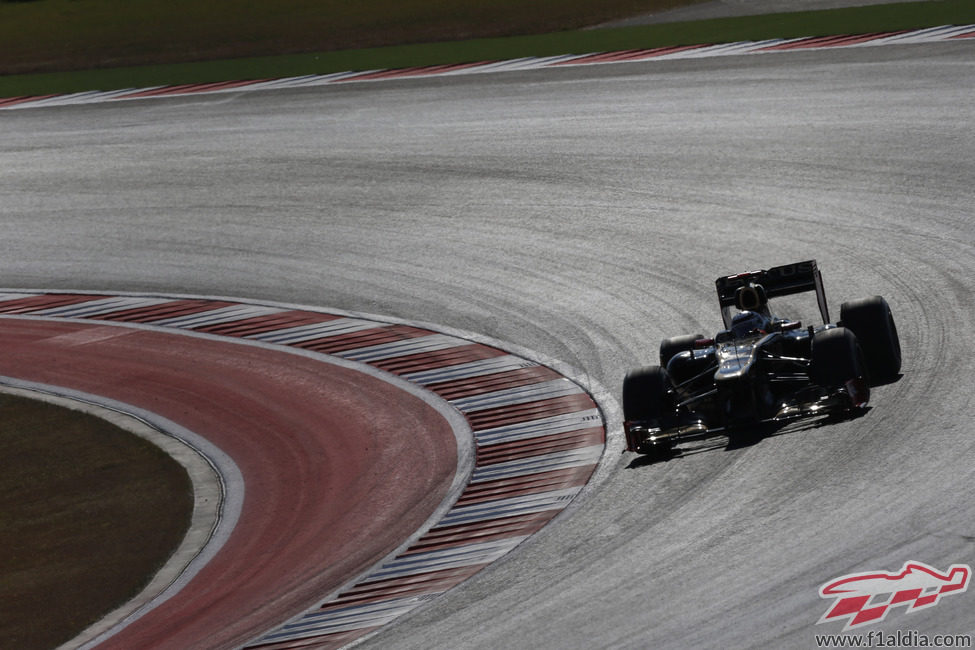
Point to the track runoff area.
(927, 35)
(537, 436)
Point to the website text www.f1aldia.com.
(899, 639)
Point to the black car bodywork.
(761, 368)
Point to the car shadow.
(887, 382)
(685, 451)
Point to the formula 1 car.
(761, 368)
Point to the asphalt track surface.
(584, 213)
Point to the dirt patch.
(88, 514)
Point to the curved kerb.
(539, 436)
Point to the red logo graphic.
(865, 598)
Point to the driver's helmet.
(749, 322)
(752, 297)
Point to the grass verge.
(67, 34)
(873, 18)
(88, 514)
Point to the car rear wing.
(777, 281)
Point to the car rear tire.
(669, 348)
(873, 323)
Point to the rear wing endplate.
(782, 280)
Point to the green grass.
(48, 35)
(88, 514)
(417, 26)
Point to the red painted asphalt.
(373, 462)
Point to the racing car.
(761, 368)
